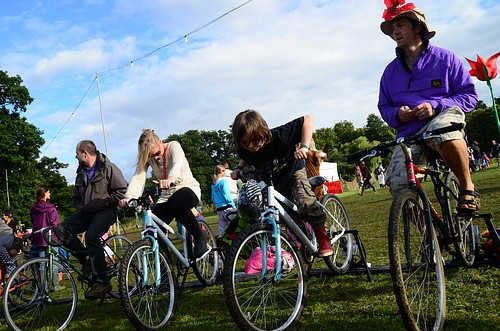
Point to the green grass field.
(346, 302)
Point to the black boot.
(200, 237)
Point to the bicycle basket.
(250, 200)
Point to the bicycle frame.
(442, 221)
(53, 252)
(415, 185)
(271, 215)
(150, 224)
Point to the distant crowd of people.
(480, 159)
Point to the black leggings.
(178, 206)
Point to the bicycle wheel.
(114, 249)
(20, 258)
(207, 268)
(149, 304)
(258, 300)
(37, 298)
(336, 213)
(417, 277)
(460, 227)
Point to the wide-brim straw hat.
(415, 14)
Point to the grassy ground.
(346, 302)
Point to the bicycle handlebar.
(46, 237)
(382, 148)
(49, 239)
(145, 199)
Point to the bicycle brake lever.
(371, 154)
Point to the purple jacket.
(42, 214)
(438, 77)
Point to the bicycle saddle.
(316, 181)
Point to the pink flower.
(489, 64)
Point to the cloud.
(85, 57)
(283, 58)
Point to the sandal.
(468, 205)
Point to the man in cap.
(424, 88)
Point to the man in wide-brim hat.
(424, 88)
(416, 15)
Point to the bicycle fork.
(156, 252)
(428, 227)
(429, 210)
(276, 235)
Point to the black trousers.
(96, 225)
(178, 205)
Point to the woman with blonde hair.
(170, 166)
(221, 197)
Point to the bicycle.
(265, 276)
(41, 293)
(17, 259)
(116, 229)
(418, 234)
(149, 286)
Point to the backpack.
(377, 171)
(254, 262)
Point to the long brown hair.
(251, 124)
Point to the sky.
(283, 58)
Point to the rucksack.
(254, 263)
(377, 171)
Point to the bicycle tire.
(114, 250)
(207, 268)
(32, 301)
(418, 279)
(260, 302)
(20, 258)
(460, 227)
(340, 261)
(148, 306)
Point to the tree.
(345, 132)
(377, 130)
(482, 127)
(204, 150)
(326, 140)
(14, 98)
(61, 193)
(20, 149)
